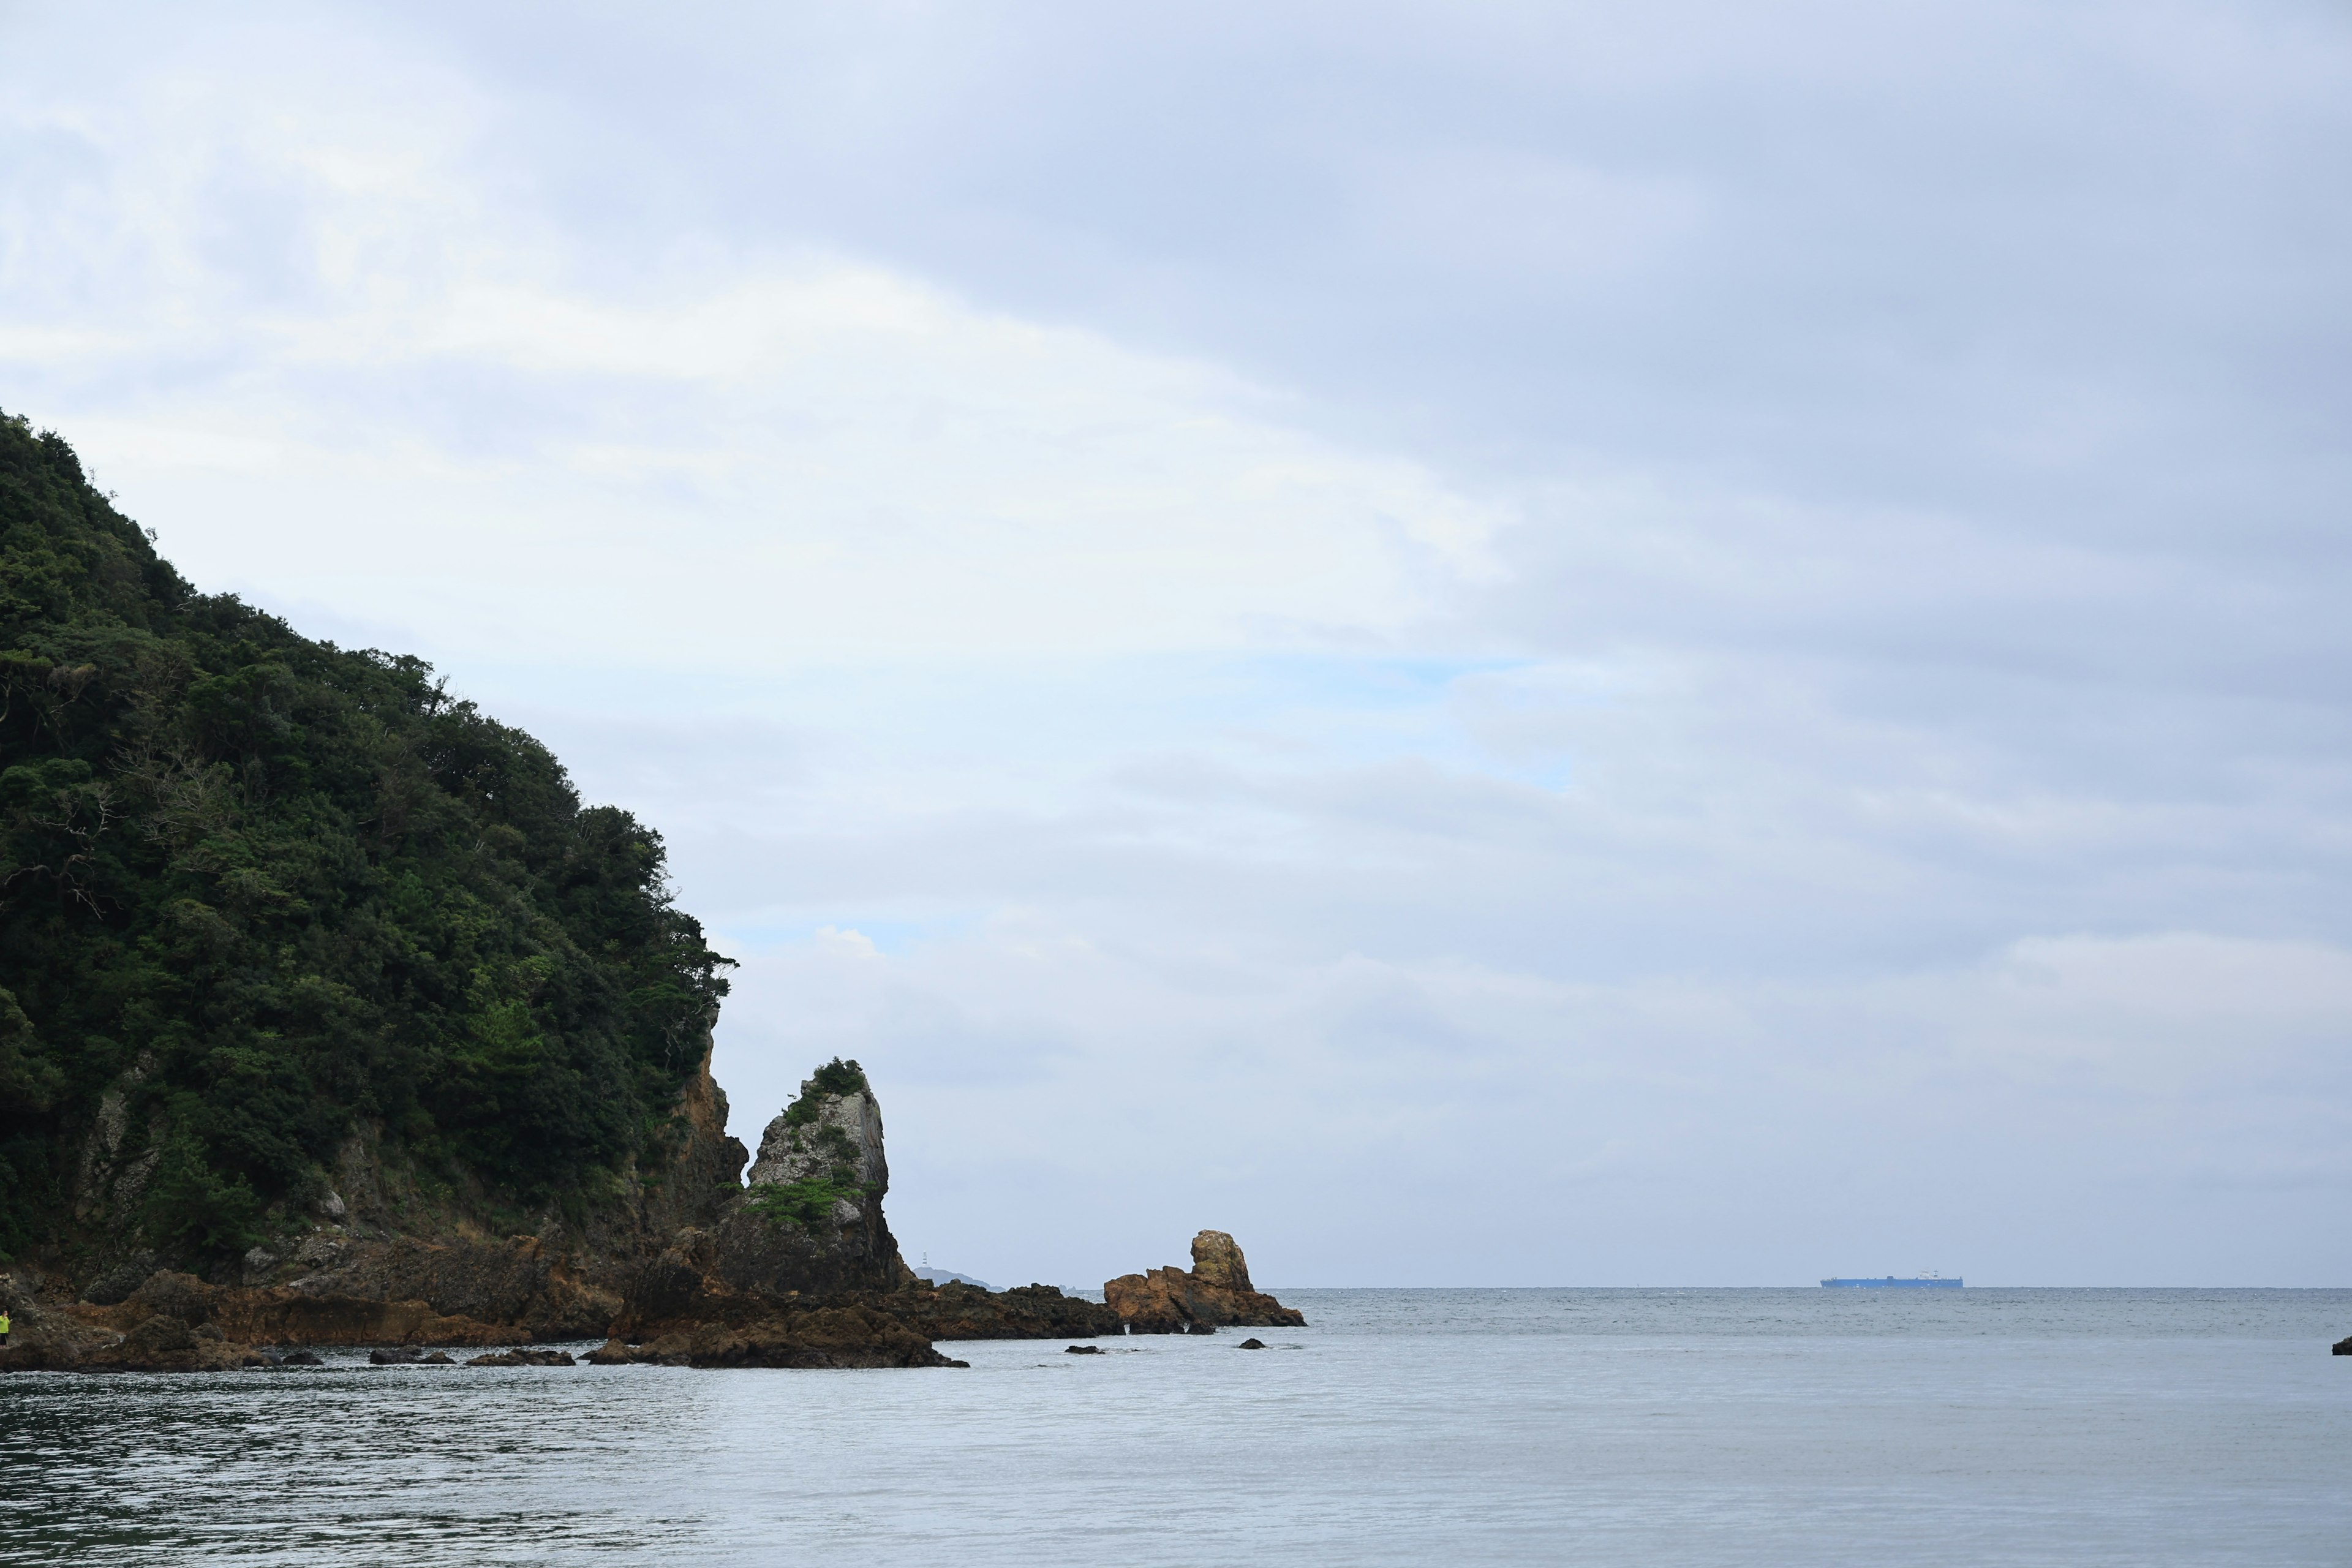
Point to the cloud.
(1500, 643)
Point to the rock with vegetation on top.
(1216, 1292)
(301, 954)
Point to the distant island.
(947, 1277)
(331, 1015)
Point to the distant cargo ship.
(1931, 1281)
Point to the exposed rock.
(802, 1270)
(838, 1336)
(176, 1322)
(300, 1357)
(520, 1282)
(1216, 1291)
(116, 1284)
(680, 1265)
(1025, 1312)
(1251, 1345)
(1082, 1350)
(322, 1252)
(2343, 1346)
(1217, 1260)
(524, 1358)
(809, 1219)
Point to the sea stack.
(1215, 1293)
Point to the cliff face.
(810, 1223)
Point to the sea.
(1584, 1427)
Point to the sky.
(1484, 643)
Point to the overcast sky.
(1487, 643)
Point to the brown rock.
(1173, 1301)
(960, 1311)
(838, 1336)
(1217, 1260)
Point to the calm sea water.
(1406, 1426)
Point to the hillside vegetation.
(257, 891)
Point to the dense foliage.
(266, 889)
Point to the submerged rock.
(1216, 1291)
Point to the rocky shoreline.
(796, 1268)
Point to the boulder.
(2344, 1346)
(1217, 1261)
(524, 1358)
(1214, 1292)
(114, 1286)
(1251, 1345)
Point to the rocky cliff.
(807, 1236)
(680, 1265)
(1215, 1293)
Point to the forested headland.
(260, 894)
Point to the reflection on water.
(1595, 1427)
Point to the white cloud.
(1692, 646)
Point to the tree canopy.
(257, 890)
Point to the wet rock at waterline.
(1216, 1291)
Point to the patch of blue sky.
(891, 935)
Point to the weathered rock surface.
(524, 1358)
(521, 1283)
(808, 1236)
(809, 1219)
(823, 1336)
(1215, 1293)
(799, 1268)
(176, 1322)
(1025, 1312)
(382, 1268)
